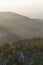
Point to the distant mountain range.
(15, 27)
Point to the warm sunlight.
(21, 32)
(7, 3)
(28, 8)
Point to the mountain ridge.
(22, 26)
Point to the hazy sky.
(30, 8)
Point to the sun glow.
(25, 7)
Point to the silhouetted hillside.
(22, 26)
(7, 36)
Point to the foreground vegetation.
(31, 48)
